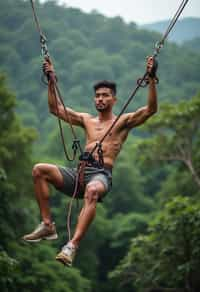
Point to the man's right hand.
(47, 68)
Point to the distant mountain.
(193, 44)
(185, 29)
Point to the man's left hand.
(152, 66)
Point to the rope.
(160, 44)
(140, 81)
(36, 18)
(43, 39)
(57, 93)
(71, 203)
(76, 143)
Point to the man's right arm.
(55, 105)
(65, 113)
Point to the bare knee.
(47, 172)
(91, 194)
(38, 170)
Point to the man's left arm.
(142, 114)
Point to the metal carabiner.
(43, 43)
(158, 46)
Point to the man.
(97, 180)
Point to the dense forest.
(146, 235)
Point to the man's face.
(104, 99)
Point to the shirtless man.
(97, 181)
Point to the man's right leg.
(43, 174)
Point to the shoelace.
(68, 249)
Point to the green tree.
(168, 256)
(175, 136)
(15, 155)
(22, 267)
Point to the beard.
(101, 107)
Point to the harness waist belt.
(96, 164)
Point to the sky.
(139, 11)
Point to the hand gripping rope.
(141, 82)
(57, 94)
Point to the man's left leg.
(94, 190)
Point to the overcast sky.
(139, 11)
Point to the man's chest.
(96, 130)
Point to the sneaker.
(67, 254)
(43, 231)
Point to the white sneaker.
(67, 254)
(42, 231)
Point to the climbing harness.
(87, 158)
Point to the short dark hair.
(108, 84)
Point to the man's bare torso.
(111, 146)
(96, 127)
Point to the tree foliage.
(172, 237)
(85, 48)
(23, 268)
(167, 256)
(175, 137)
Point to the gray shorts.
(90, 174)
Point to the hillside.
(193, 44)
(186, 29)
(149, 222)
(84, 48)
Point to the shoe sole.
(64, 260)
(50, 237)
